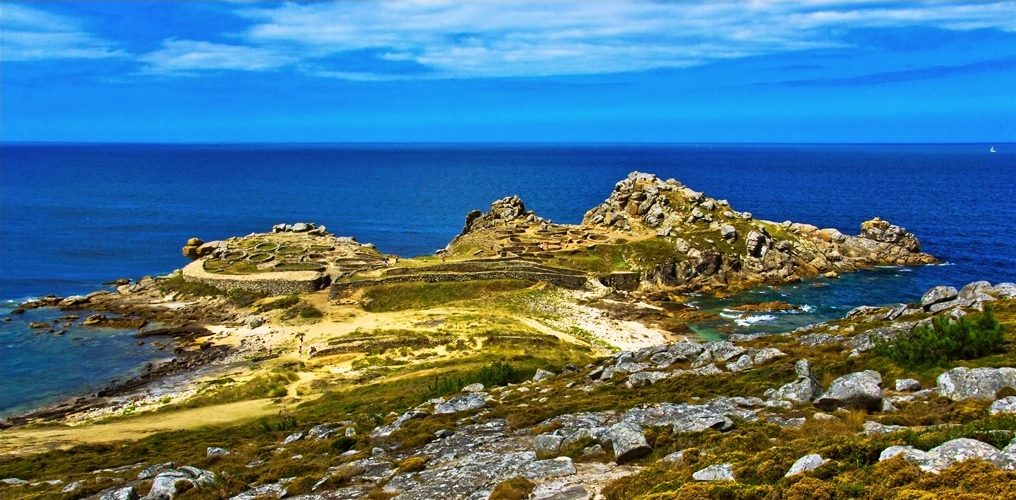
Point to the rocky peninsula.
(531, 359)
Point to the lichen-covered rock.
(805, 464)
(975, 383)
(855, 390)
(547, 445)
(907, 385)
(164, 484)
(803, 390)
(721, 472)
(947, 454)
(1004, 405)
(124, 493)
(465, 402)
(937, 295)
(542, 374)
(642, 379)
(628, 441)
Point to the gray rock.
(542, 374)
(1004, 290)
(895, 312)
(741, 364)
(254, 321)
(674, 458)
(854, 390)
(164, 484)
(680, 417)
(322, 431)
(547, 445)
(643, 379)
(975, 383)
(592, 452)
(292, 438)
(1004, 405)
(72, 487)
(907, 385)
(301, 227)
(629, 367)
(554, 467)
(150, 471)
(938, 295)
(466, 402)
(766, 355)
(215, 451)
(721, 472)
(13, 481)
(662, 359)
(262, 492)
(947, 454)
(125, 493)
(755, 244)
(475, 387)
(388, 430)
(791, 423)
(628, 442)
(805, 464)
(871, 427)
(977, 292)
(803, 390)
(728, 232)
(722, 351)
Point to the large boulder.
(628, 441)
(860, 390)
(938, 295)
(975, 383)
(947, 454)
(165, 483)
(803, 390)
(1004, 405)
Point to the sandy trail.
(21, 441)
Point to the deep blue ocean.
(75, 216)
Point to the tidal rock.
(721, 472)
(938, 295)
(855, 390)
(628, 441)
(805, 464)
(975, 383)
(1004, 405)
(466, 402)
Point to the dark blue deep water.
(75, 216)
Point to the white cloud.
(29, 34)
(188, 56)
(528, 38)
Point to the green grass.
(402, 296)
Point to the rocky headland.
(529, 359)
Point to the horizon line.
(496, 143)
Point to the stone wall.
(286, 283)
(561, 280)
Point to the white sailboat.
(993, 149)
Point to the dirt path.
(22, 441)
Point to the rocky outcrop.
(975, 383)
(716, 245)
(949, 453)
(803, 390)
(861, 390)
(508, 210)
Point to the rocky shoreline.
(529, 359)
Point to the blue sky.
(624, 71)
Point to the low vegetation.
(944, 340)
(402, 296)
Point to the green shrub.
(969, 337)
(516, 488)
(494, 374)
